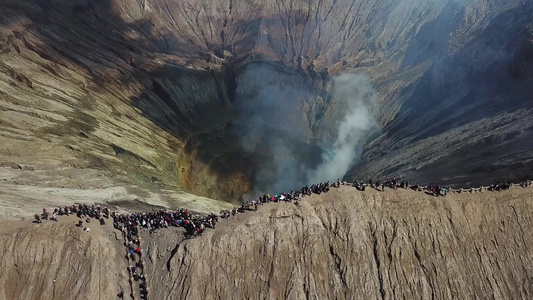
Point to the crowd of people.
(292, 196)
(132, 241)
(81, 211)
(195, 224)
(434, 189)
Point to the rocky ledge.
(345, 244)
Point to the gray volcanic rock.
(151, 92)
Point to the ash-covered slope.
(371, 245)
(60, 261)
(345, 244)
(156, 94)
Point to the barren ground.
(344, 244)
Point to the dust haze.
(288, 153)
(357, 92)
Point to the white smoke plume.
(285, 158)
(357, 92)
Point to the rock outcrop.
(60, 261)
(344, 244)
(372, 245)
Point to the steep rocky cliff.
(353, 245)
(344, 244)
(150, 93)
(60, 261)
